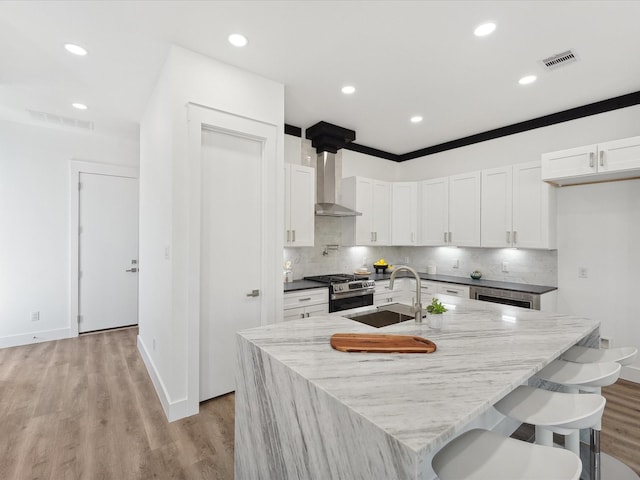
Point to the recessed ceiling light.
(484, 29)
(238, 40)
(348, 89)
(527, 80)
(79, 106)
(416, 119)
(75, 49)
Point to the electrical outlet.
(583, 272)
(456, 263)
(605, 342)
(167, 252)
(35, 316)
(505, 267)
(406, 260)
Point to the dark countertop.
(302, 285)
(517, 287)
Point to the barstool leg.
(544, 436)
(572, 442)
(594, 454)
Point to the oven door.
(339, 303)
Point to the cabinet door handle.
(450, 237)
(308, 315)
(253, 293)
(508, 237)
(305, 299)
(455, 292)
(302, 315)
(288, 235)
(413, 237)
(375, 236)
(372, 237)
(132, 270)
(602, 158)
(445, 237)
(293, 235)
(591, 164)
(515, 237)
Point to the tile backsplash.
(538, 267)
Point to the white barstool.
(553, 412)
(586, 377)
(482, 454)
(622, 355)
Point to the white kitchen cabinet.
(464, 210)
(518, 208)
(399, 294)
(434, 211)
(450, 211)
(404, 213)
(372, 198)
(433, 289)
(306, 303)
(614, 160)
(299, 206)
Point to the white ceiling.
(404, 58)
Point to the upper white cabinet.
(404, 213)
(373, 199)
(464, 210)
(450, 211)
(299, 206)
(434, 211)
(518, 209)
(601, 162)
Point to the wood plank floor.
(85, 408)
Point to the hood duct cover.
(327, 140)
(328, 182)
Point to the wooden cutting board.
(380, 343)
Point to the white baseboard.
(35, 337)
(174, 410)
(631, 373)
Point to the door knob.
(133, 270)
(253, 293)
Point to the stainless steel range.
(347, 291)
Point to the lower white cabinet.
(384, 295)
(306, 303)
(430, 289)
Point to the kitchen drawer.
(303, 298)
(298, 313)
(430, 288)
(454, 290)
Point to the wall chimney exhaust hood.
(327, 139)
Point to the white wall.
(526, 146)
(599, 229)
(34, 223)
(164, 196)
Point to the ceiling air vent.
(57, 120)
(560, 59)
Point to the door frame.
(272, 217)
(76, 167)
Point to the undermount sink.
(385, 315)
(380, 318)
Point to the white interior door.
(108, 248)
(230, 261)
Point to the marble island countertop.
(401, 408)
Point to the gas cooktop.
(336, 278)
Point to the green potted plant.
(435, 311)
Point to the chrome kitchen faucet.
(417, 307)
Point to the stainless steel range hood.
(328, 183)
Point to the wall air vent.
(560, 59)
(60, 121)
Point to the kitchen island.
(306, 411)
